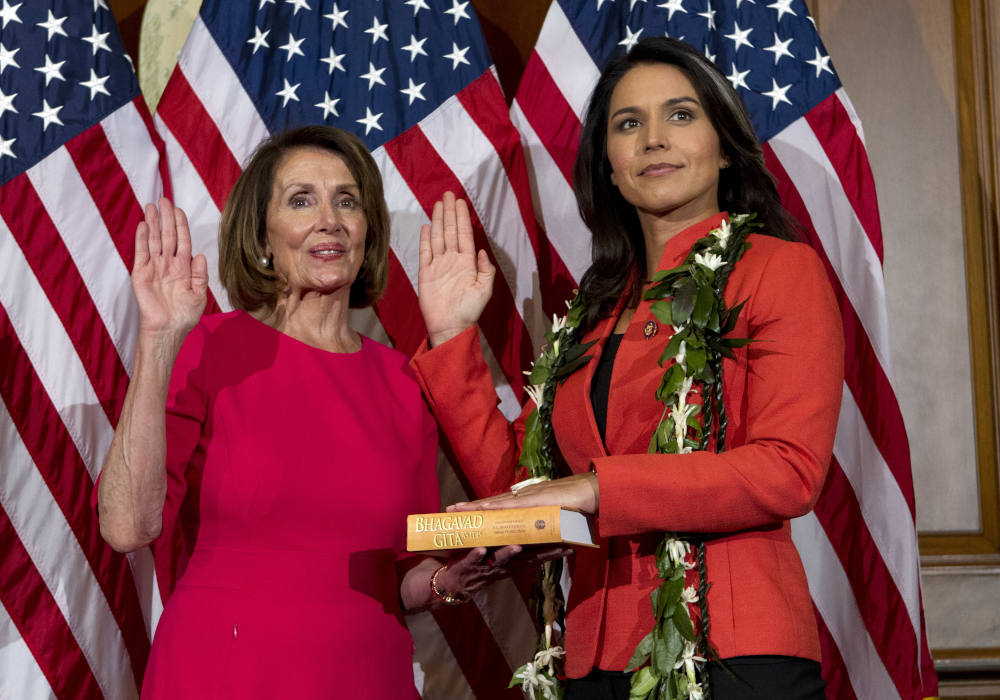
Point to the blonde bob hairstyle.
(252, 284)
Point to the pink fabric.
(291, 471)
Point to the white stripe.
(146, 587)
(553, 200)
(831, 593)
(885, 510)
(215, 83)
(20, 676)
(567, 60)
(509, 620)
(203, 216)
(852, 115)
(406, 215)
(843, 238)
(130, 140)
(78, 220)
(63, 566)
(52, 354)
(366, 322)
(470, 155)
(441, 673)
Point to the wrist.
(439, 589)
(435, 338)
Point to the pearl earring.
(265, 261)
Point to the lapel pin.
(649, 329)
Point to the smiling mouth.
(659, 169)
(327, 251)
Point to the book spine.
(483, 528)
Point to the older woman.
(693, 449)
(281, 448)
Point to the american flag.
(414, 80)
(78, 156)
(859, 546)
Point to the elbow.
(128, 539)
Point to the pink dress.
(291, 471)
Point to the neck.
(657, 229)
(320, 320)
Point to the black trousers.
(741, 678)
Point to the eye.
(347, 202)
(298, 201)
(627, 124)
(682, 115)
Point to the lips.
(327, 250)
(654, 169)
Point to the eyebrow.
(672, 102)
(347, 187)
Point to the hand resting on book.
(577, 492)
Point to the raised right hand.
(170, 287)
(454, 282)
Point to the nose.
(326, 217)
(655, 136)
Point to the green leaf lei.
(689, 297)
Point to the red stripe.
(38, 619)
(484, 102)
(863, 372)
(840, 140)
(550, 115)
(838, 681)
(428, 176)
(64, 472)
(196, 132)
(161, 148)
(109, 187)
(52, 264)
(399, 310)
(112, 192)
(879, 601)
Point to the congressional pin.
(649, 329)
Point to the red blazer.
(782, 396)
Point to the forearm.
(415, 588)
(133, 481)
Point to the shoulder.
(392, 362)
(776, 262)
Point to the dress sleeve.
(792, 400)
(459, 390)
(187, 411)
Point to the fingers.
(450, 221)
(465, 241)
(168, 228)
(141, 246)
(153, 226)
(199, 274)
(486, 269)
(504, 555)
(437, 229)
(426, 256)
(183, 234)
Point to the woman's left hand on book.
(577, 492)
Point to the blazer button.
(236, 631)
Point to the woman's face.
(664, 152)
(316, 226)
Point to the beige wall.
(898, 62)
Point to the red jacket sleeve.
(790, 406)
(459, 389)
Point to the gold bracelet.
(444, 596)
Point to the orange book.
(497, 528)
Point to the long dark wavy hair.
(745, 186)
